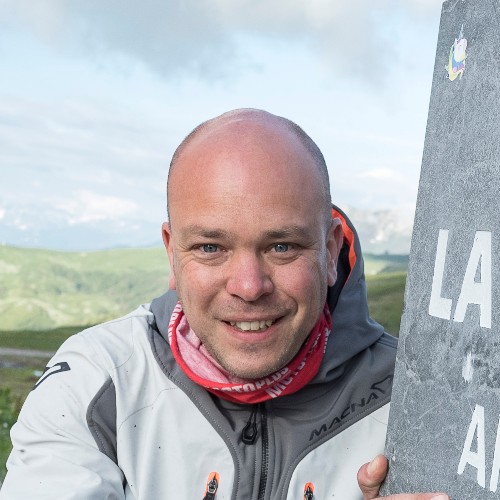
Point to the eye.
(209, 248)
(281, 247)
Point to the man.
(259, 375)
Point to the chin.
(252, 372)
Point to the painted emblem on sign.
(456, 59)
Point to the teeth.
(252, 325)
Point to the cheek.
(304, 281)
(196, 283)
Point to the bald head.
(238, 129)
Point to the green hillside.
(46, 289)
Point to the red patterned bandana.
(195, 361)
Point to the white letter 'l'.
(439, 306)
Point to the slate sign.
(444, 430)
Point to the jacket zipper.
(212, 486)
(308, 491)
(249, 436)
(249, 433)
(265, 453)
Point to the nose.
(248, 277)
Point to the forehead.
(245, 166)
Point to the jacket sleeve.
(59, 449)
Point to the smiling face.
(251, 255)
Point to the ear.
(334, 241)
(166, 234)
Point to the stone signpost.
(444, 431)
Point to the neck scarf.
(195, 361)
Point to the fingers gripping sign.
(371, 476)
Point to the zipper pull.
(212, 485)
(249, 432)
(308, 491)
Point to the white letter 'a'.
(476, 459)
(477, 292)
(439, 306)
(496, 463)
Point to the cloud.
(202, 37)
(53, 145)
(79, 169)
(88, 207)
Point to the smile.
(252, 325)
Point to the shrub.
(9, 411)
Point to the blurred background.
(95, 96)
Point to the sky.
(96, 95)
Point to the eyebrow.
(286, 232)
(196, 230)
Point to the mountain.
(380, 231)
(51, 227)
(383, 231)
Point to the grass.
(385, 299)
(17, 377)
(20, 379)
(9, 409)
(49, 340)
